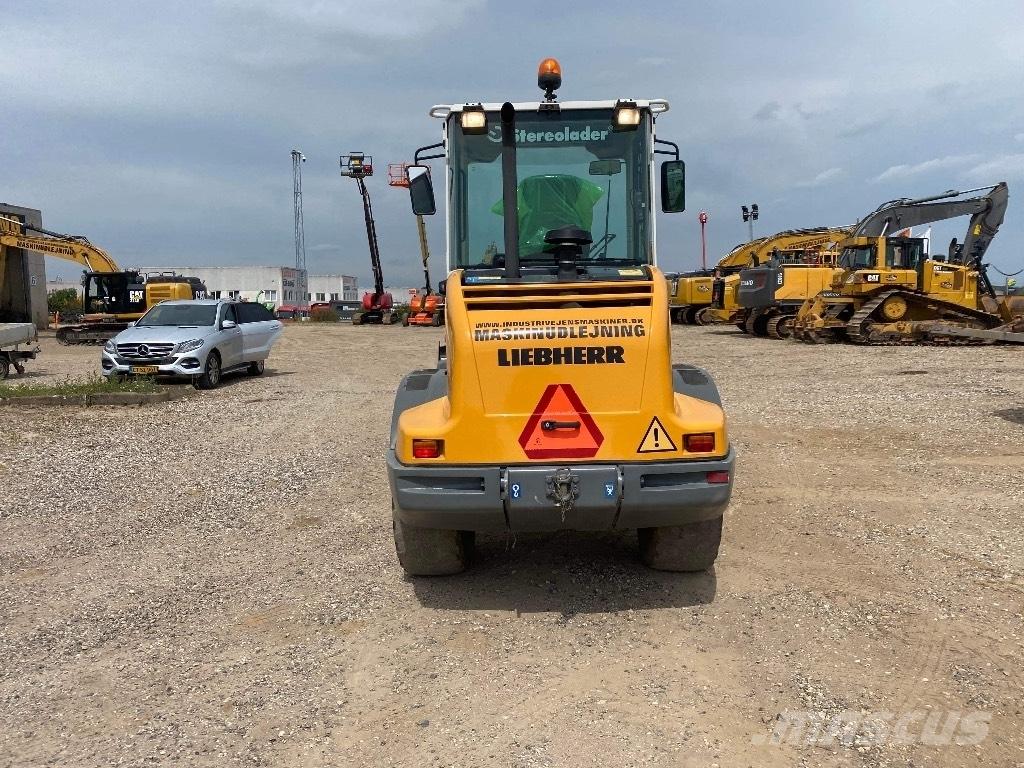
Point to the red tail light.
(703, 442)
(718, 477)
(427, 449)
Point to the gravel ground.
(211, 581)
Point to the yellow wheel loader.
(890, 290)
(807, 247)
(554, 403)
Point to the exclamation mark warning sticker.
(656, 439)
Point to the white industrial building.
(333, 288)
(272, 285)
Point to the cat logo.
(872, 277)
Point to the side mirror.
(421, 191)
(673, 186)
(228, 324)
(131, 324)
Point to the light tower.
(750, 216)
(301, 279)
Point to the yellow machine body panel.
(801, 281)
(692, 290)
(508, 345)
(157, 292)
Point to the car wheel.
(257, 367)
(210, 377)
(691, 547)
(5, 368)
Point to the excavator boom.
(70, 247)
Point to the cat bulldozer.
(112, 298)
(890, 290)
(811, 248)
(554, 403)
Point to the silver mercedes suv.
(199, 338)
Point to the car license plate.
(145, 369)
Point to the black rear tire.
(5, 367)
(437, 320)
(257, 367)
(690, 315)
(690, 547)
(431, 551)
(210, 377)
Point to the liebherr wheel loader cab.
(554, 403)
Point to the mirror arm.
(418, 157)
(675, 148)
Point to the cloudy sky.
(162, 131)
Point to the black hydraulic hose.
(510, 189)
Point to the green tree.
(64, 301)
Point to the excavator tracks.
(80, 335)
(780, 326)
(860, 327)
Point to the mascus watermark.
(851, 728)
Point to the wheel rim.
(213, 370)
(894, 308)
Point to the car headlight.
(189, 346)
(110, 346)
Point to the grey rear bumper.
(610, 496)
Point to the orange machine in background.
(426, 307)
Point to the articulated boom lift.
(377, 306)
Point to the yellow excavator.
(690, 292)
(554, 403)
(813, 248)
(889, 289)
(112, 297)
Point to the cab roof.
(657, 106)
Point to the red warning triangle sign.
(560, 427)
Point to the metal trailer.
(13, 337)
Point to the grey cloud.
(830, 174)
(179, 124)
(768, 111)
(906, 171)
(1002, 168)
(855, 129)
